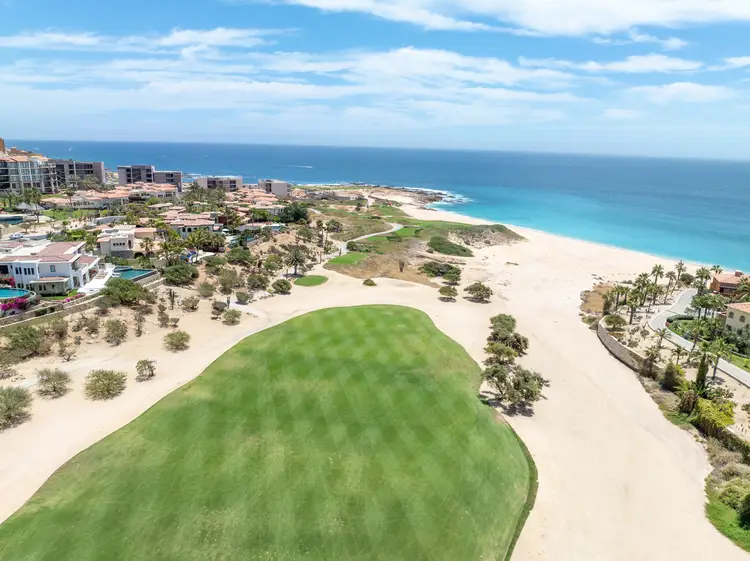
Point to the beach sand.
(618, 482)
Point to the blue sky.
(655, 77)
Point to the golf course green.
(344, 434)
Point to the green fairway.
(346, 434)
(351, 258)
(311, 280)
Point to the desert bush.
(104, 384)
(232, 317)
(718, 455)
(190, 304)
(446, 247)
(218, 307)
(177, 341)
(115, 331)
(240, 256)
(15, 403)
(24, 342)
(504, 321)
(163, 318)
(734, 469)
(228, 280)
(52, 382)
(479, 292)
(282, 286)
(673, 378)
(206, 289)
(180, 274)
(688, 400)
(59, 329)
(448, 293)
(67, 352)
(352, 246)
(140, 319)
(243, 297)
(435, 269)
(615, 322)
(92, 325)
(6, 366)
(257, 282)
(369, 282)
(103, 305)
(515, 385)
(452, 278)
(146, 369)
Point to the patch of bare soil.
(592, 301)
(385, 266)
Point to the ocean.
(697, 210)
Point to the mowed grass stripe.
(351, 433)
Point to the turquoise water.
(7, 293)
(130, 273)
(696, 210)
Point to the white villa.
(738, 316)
(48, 268)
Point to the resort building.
(276, 187)
(94, 200)
(127, 175)
(123, 241)
(19, 173)
(185, 223)
(71, 172)
(226, 182)
(50, 268)
(727, 283)
(738, 316)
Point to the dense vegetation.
(344, 434)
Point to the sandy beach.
(618, 482)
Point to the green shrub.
(14, 406)
(52, 382)
(673, 378)
(115, 331)
(435, 269)
(124, 292)
(228, 280)
(206, 289)
(479, 292)
(735, 469)
(452, 278)
(232, 317)
(352, 246)
(504, 321)
(24, 342)
(615, 322)
(734, 491)
(180, 274)
(369, 282)
(712, 417)
(257, 282)
(240, 256)
(243, 297)
(448, 293)
(744, 511)
(447, 247)
(190, 304)
(104, 384)
(282, 286)
(177, 341)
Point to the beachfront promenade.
(680, 306)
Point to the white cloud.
(621, 114)
(50, 40)
(688, 92)
(635, 36)
(563, 17)
(733, 63)
(632, 64)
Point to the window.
(52, 269)
(18, 270)
(742, 319)
(731, 315)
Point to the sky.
(632, 77)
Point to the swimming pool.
(130, 273)
(9, 293)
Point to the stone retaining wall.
(627, 356)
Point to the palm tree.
(671, 276)
(661, 333)
(677, 353)
(658, 272)
(680, 268)
(719, 349)
(716, 269)
(742, 294)
(702, 276)
(148, 246)
(633, 303)
(296, 258)
(642, 281)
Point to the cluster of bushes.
(515, 385)
(442, 245)
(450, 273)
(479, 292)
(124, 292)
(177, 341)
(180, 274)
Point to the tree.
(700, 378)
(452, 278)
(657, 272)
(125, 292)
(633, 304)
(180, 274)
(116, 331)
(257, 282)
(228, 280)
(743, 513)
(479, 292)
(702, 276)
(147, 244)
(615, 322)
(719, 349)
(146, 369)
(515, 385)
(14, 406)
(672, 278)
(243, 297)
(652, 356)
(742, 294)
(282, 286)
(240, 256)
(716, 270)
(52, 382)
(448, 293)
(674, 377)
(294, 212)
(177, 341)
(661, 334)
(499, 353)
(680, 269)
(232, 317)
(273, 263)
(504, 321)
(296, 257)
(104, 384)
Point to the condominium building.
(70, 172)
(226, 182)
(19, 173)
(148, 174)
(278, 188)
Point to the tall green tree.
(657, 271)
(720, 349)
